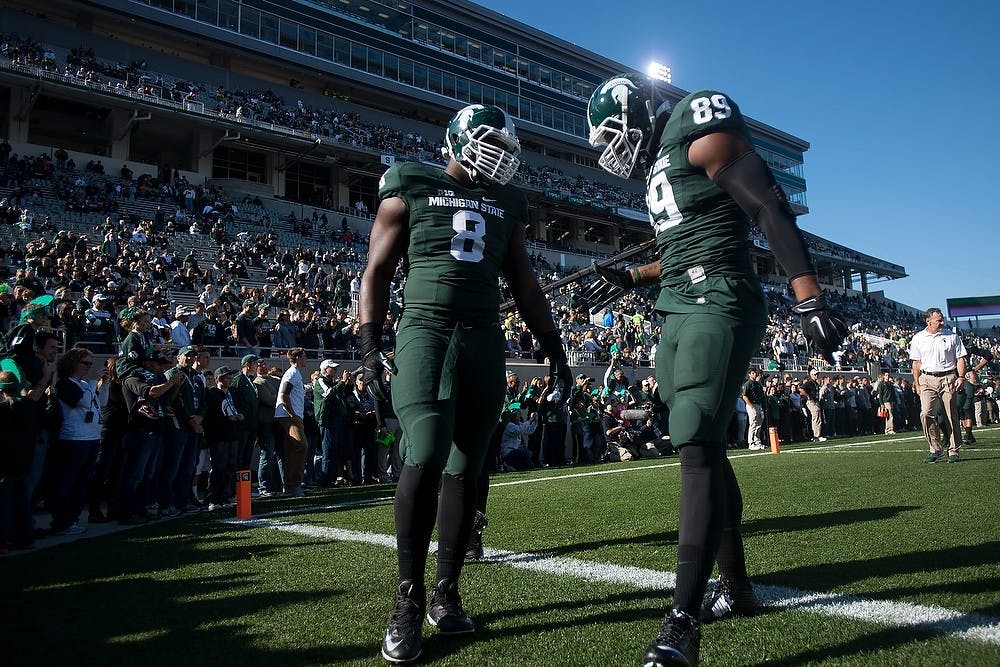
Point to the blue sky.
(899, 101)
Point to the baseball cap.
(249, 359)
(328, 363)
(181, 310)
(187, 349)
(814, 371)
(223, 371)
(581, 376)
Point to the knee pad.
(687, 420)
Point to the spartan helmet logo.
(619, 89)
(465, 115)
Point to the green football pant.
(448, 394)
(701, 363)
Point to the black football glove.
(374, 362)
(611, 284)
(821, 326)
(560, 375)
(373, 369)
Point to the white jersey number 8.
(468, 243)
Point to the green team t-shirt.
(701, 234)
(754, 391)
(458, 240)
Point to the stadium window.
(545, 77)
(420, 32)
(523, 68)
(324, 46)
(448, 85)
(547, 116)
(475, 92)
(533, 72)
(488, 95)
(269, 28)
(250, 22)
(375, 62)
(307, 40)
(359, 56)
(512, 105)
(462, 89)
(238, 164)
(391, 70)
(186, 8)
(208, 11)
(342, 51)
(406, 71)
(461, 45)
(229, 14)
(288, 34)
(475, 51)
(557, 120)
(433, 79)
(448, 41)
(420, 76)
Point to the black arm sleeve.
(751, 184)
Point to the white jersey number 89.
(705, 108)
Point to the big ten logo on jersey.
(705, 109)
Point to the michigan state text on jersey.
(458, 239)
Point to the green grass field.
(867, 556)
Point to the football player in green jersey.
(704, 181)
(461, 229)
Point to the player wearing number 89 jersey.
(703, 182)
(700, 230)
(461, 229)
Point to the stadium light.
(659, 72)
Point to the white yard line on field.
(967, 626)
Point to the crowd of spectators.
(203, 286)
(267, 107)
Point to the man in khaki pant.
(288, 413)
(938, 357)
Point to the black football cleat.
(677, 644)
(475, 549)
(403, 640)
(729, 599)
(445, 610)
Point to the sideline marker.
(243, 510)
(775, 440)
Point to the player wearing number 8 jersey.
(703, 182)
(461, 229)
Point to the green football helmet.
(481, 138)
(619, 118)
